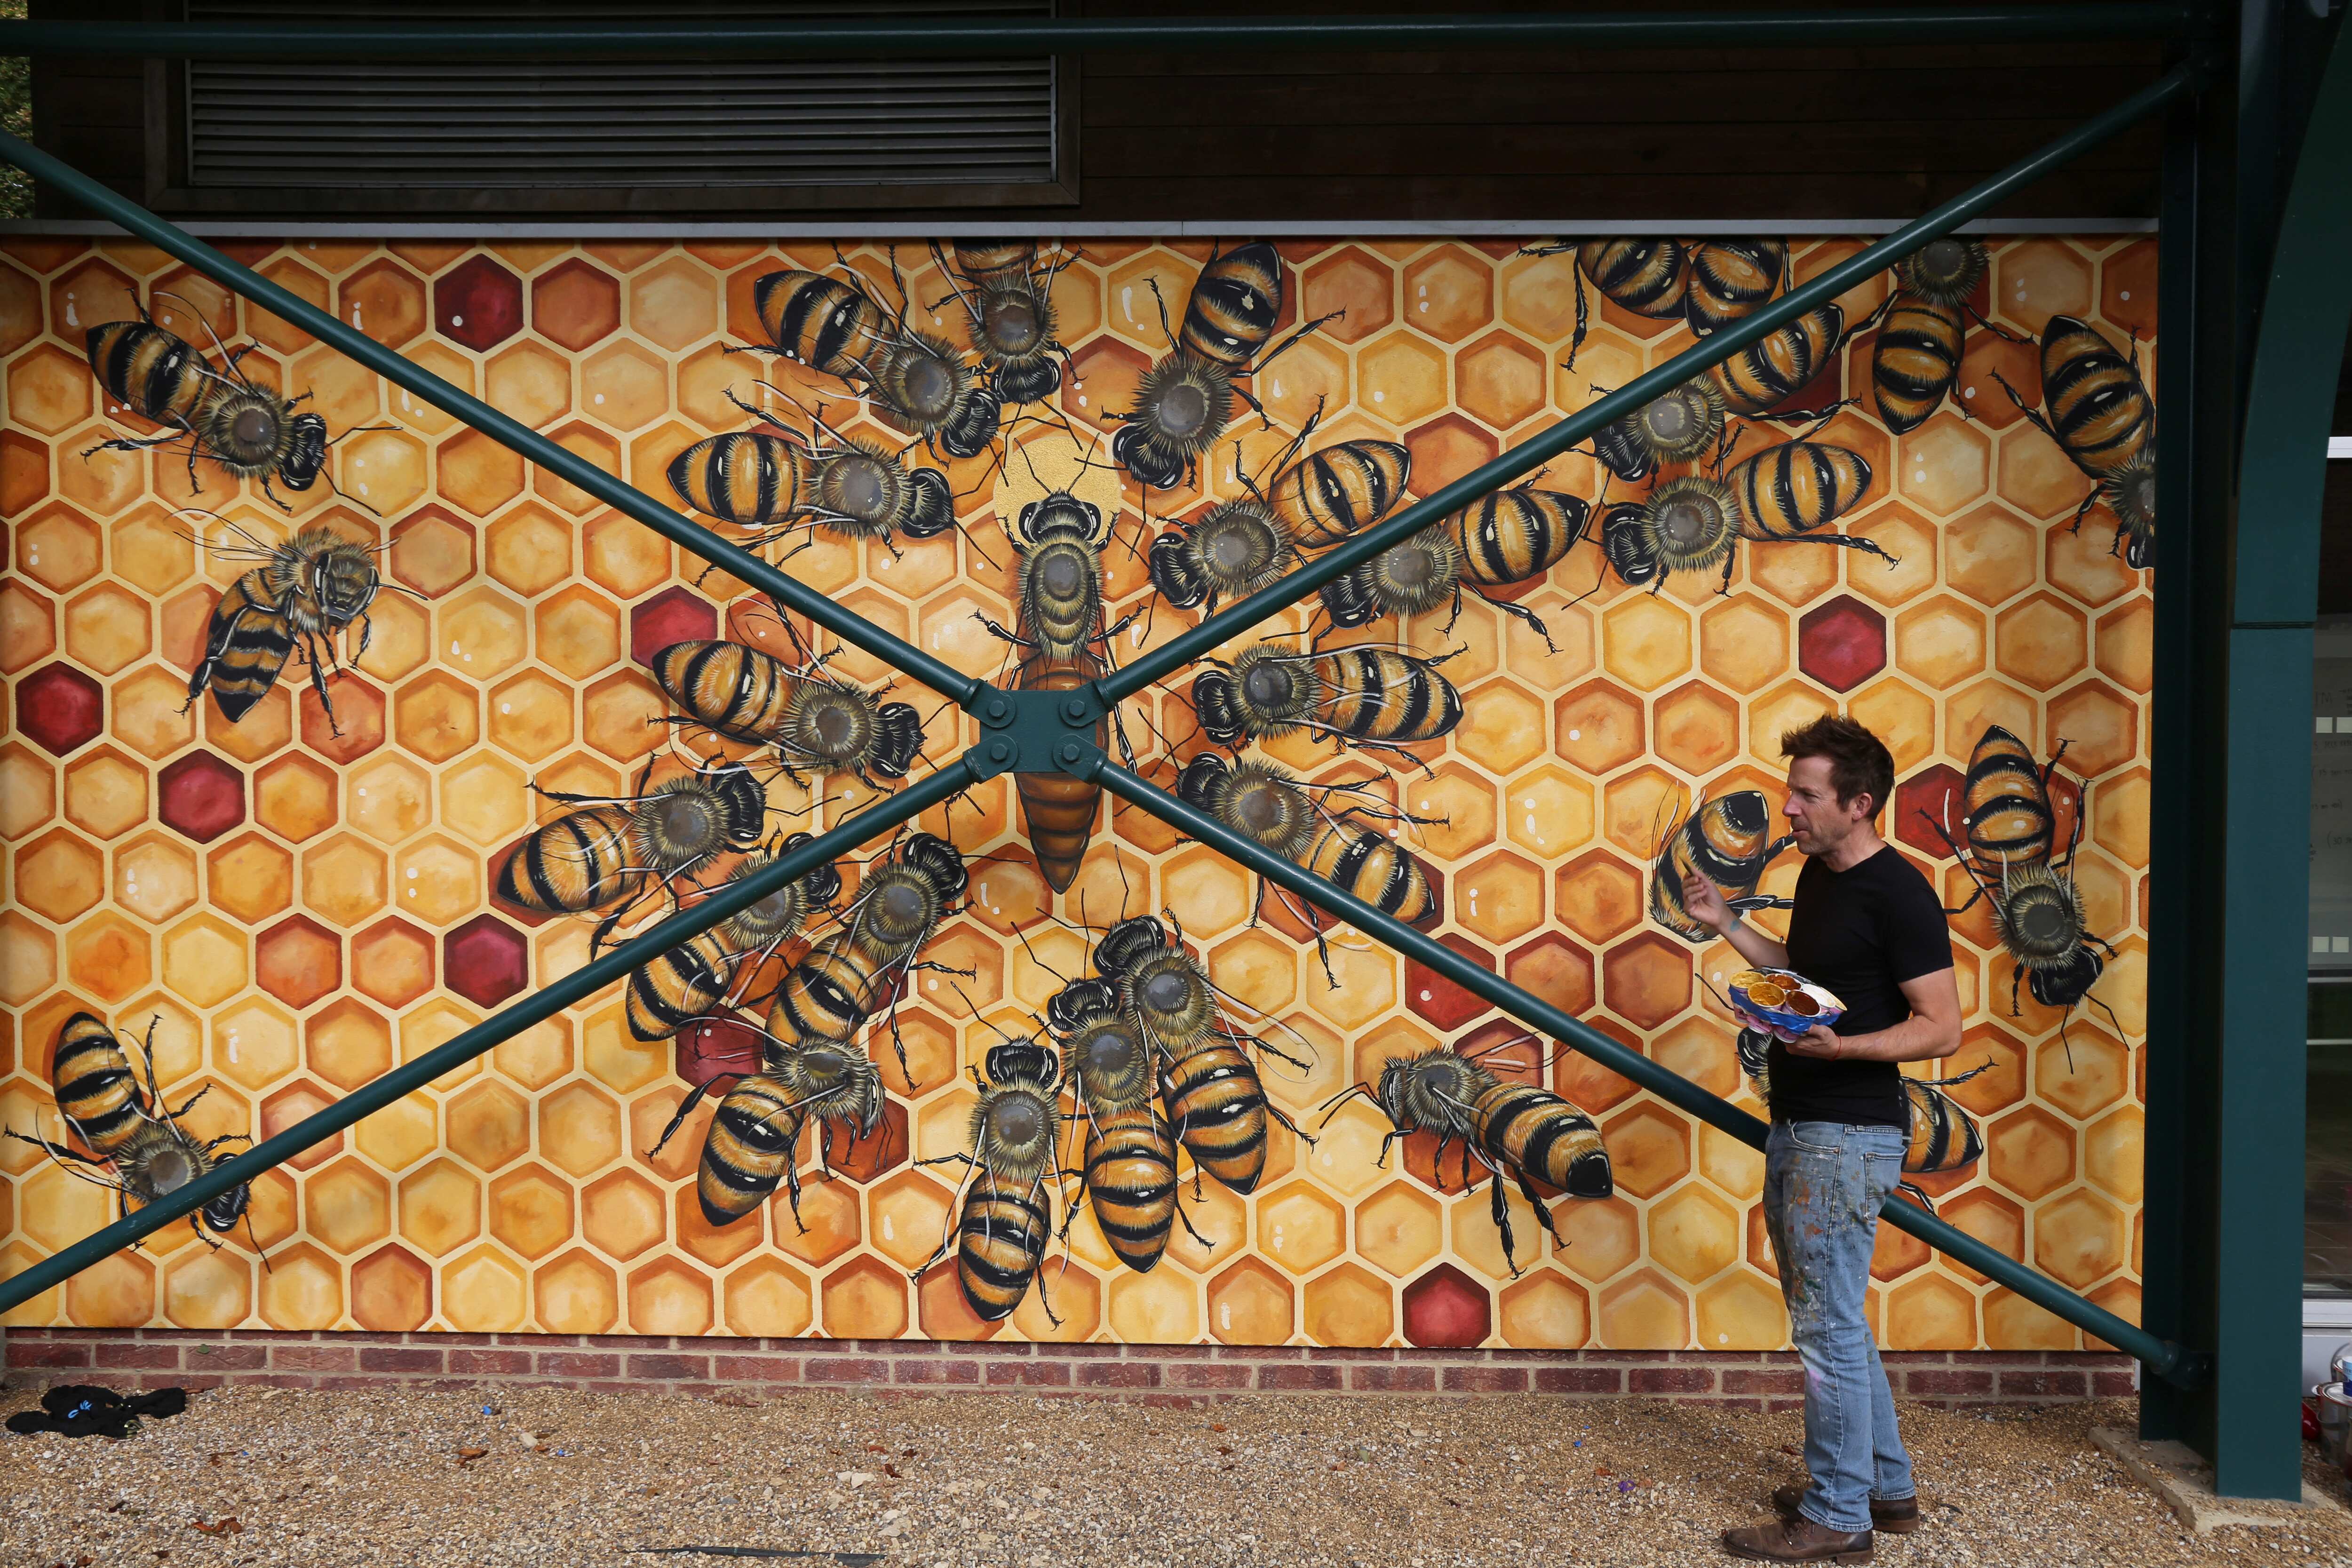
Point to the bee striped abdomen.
(1943, 1136)
(1728, 278)
(828, 994)
(674, 988)
(994, 260)
(1384, 696)
(2100, 413)
(1510, 536)
(740, 477)
(1775, 368)
(1131, 1177)
(1799, 486)
(1218, 1108)
(1532, 1130)
(246, 646)
(2009, 818)
(1918, 354)
(95, 1088)
(1376, 870)
(1333, 493)
(582, 860)
(822, 321)
(727, 687)
(749, 1149)
(1234, 304)
(1645, 275)
(1000, 1244)
(1058, 809)
(148, 369)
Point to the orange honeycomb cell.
(1646, 980)
(60, 876)
(298, 961)
(28, 631)
(1400, 378)
(1501, 380)
(1646, 641)
(1549, 811)
(2079, 1238)
(402, 1133)
(1649, 1149)
(1251, 1304)
(2041, 642)
(625, 386)
(108, 957)
(489, 1126)
(1697, 728)
(575, 1294)
(347, 1207)
(107, 629)
(1646, 1311)
(2030, 1153)
(530, 1211)
(1939, 641)
(48, 392)
(2034, 280)
(154, 876)
(1500, 899)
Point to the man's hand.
(1704, 901)
(1820, 1042)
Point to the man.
(1867, 926)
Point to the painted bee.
(1504, 537)
(1943, 1137)
(1922, 329)
(1216, 1101)
(1239, 546)
(754, 1138)
(840, 329)
(221, 414)
(814, 723)
(1728, 840)
(1708, 283)
(1186, 400)
(837, 984)
(854, 488)
(1509, 1126)
(2100, 416)
(1272, 809)
(2037, 912)
(1695, 522)
(1007, 1212)
(612, 853)
(1730, 277)
(1369, 697)
(137, 1148)
(1007, 294)
(1776, 367)
(704, 973)
(1130, 1149)
(307, 589)
(1675, 428)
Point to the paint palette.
(1783, 1004)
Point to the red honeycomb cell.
(299, 960)
(59, 707)
(1440, 1000)
(484, 961)
(575, 304)
(1937, 793)
(710, 1048)
(674, 615)
(479, 303)
(1446, 1310)
(1841, 643)
(201, 795)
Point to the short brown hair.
(1859, 761)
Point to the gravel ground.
(553, 1478)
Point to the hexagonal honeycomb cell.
(305, 898)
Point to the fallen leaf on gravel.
(892, 1472)
(468, 1456)
(1224, 1448)
(228, 1526)
(1217, 1425)
(1602, 1470)
(876, 1448)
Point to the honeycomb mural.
(300, 904)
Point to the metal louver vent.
(610, 124)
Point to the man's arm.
(1932, 1030)
(1705, 901)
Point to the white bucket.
(2334, 1421)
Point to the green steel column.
(2257, 1150)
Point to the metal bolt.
(1000, 751)
(999, 709)
(1075, 709)
(1069, 752)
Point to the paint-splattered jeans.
(1824, 1182)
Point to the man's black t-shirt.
(1861, 932)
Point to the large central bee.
(1728, 840)
(1186, 400)
(1508, 1126)
(1007, 294)
(813, 724)
(1504, 537)
(137, 1147)
(1369, 697)
(707, 971)
(2101, 417)
(1242, 545)
(1007, 1206)
(1272, 809)
(1129, 1162)
(224, 415)
(2037, 911)
(839, 327)
(1695, 522)
(612, 853)
(853, 488)
(305, 593)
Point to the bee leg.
(2016, 974)
(1386, 1139)
(1730, 559)
(1535, 1202)
(686, 1109)
(1583, 317)
(1502, 1213)
(188, 1104)
(1527, 618)
(1193, 1229)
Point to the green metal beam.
(2165, 1359)
(2256, 1156)
(1157, 664)
(979, 36)
(788, 592)
(509, 1022)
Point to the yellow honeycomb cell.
(1256, 970)
(484, 1291)
(436, 881)
(204, 960)
(347, 1207)
(2079, 1238)
(1460, 809)
(437, 716)
(1901, 715)
(864, 1300)
(1646, 1311)
(1743, 643)
(151, 712)
(1694, 1234)
(1301, 1228)
(767, 1298)
(107, 629)
(528, 550)
(254, 1044)
(530, 1211)
(59, 876)
(106, 792)
(2035, 279)
(489, 1125)
(1740, 1311)
(154, 876)
(1162, 1306)
(117, 1292)
(575, 1294)
(402, 1133)
(1501, 380)
(1251, 1304)
(251, 878)
(623, 1215)
(1207, 892)
(207, 1290)
(1549, 811)
(1400, 378)
(528, 383)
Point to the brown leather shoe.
(1897, 1516)
(1777, 1540)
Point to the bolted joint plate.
(1037, 731)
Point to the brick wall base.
(743, 1368)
